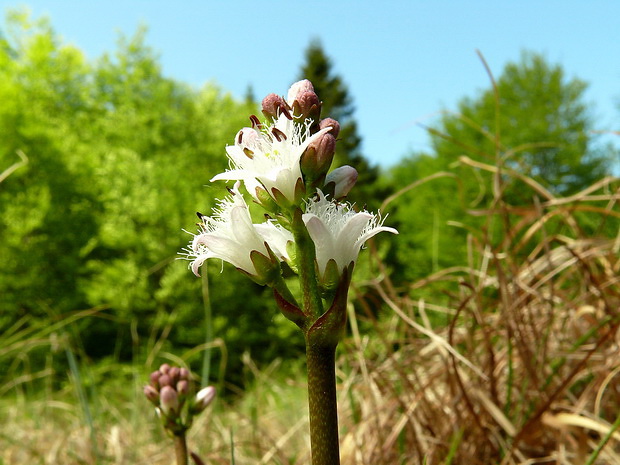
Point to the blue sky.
(404, 61)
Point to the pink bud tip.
(183, 387)
(204, 398)
(174, 375)
(344, 179)
(297, 88)
(151, 394)
(165, 380)
(273, 105)
(154, 377)
(169, 400)
(330, 123)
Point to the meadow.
(486, 332)
(517, 364)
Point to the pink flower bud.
(164, 368)
(184, 374)
(151, 394)
(273, 105)
(330, 123)
(164, 380)
(344, 178)
(154, 378)
(174, 375)
(297, 88)
(318, 157)
(169, 400)
(307, 105)
(183, 387)
(204, 398)
(325, 149)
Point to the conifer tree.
(338, 104)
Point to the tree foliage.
(119, 156)
(537, 122)
(534, 124)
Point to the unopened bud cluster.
(303, 106)
(173, 393)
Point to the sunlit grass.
(523, 369)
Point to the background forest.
(106, 161)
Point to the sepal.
(280, 199)
(300, 191)
(290, 310)
(331, 278)
(291, 249)
(267, 267)
(330, 327)
(265, 200)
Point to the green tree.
(46, 207)
(119, 156)
(338, 104)
(537, 125)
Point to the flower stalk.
(173, 393)
(284, 165)
(306, 256)
(322, 403)
(180, 449)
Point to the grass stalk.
(603, 442)
(206, 299)
(81, 393)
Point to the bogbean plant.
(172, 391)
(310, 232)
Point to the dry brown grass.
(527, 371)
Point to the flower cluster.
(172, 391)
(284, 165)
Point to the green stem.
(323, 404)
(206, 299)
(180, 448)
(604, 442)
(312, 302)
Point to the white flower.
(230, 235)
(338, 232)
(270, 158)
